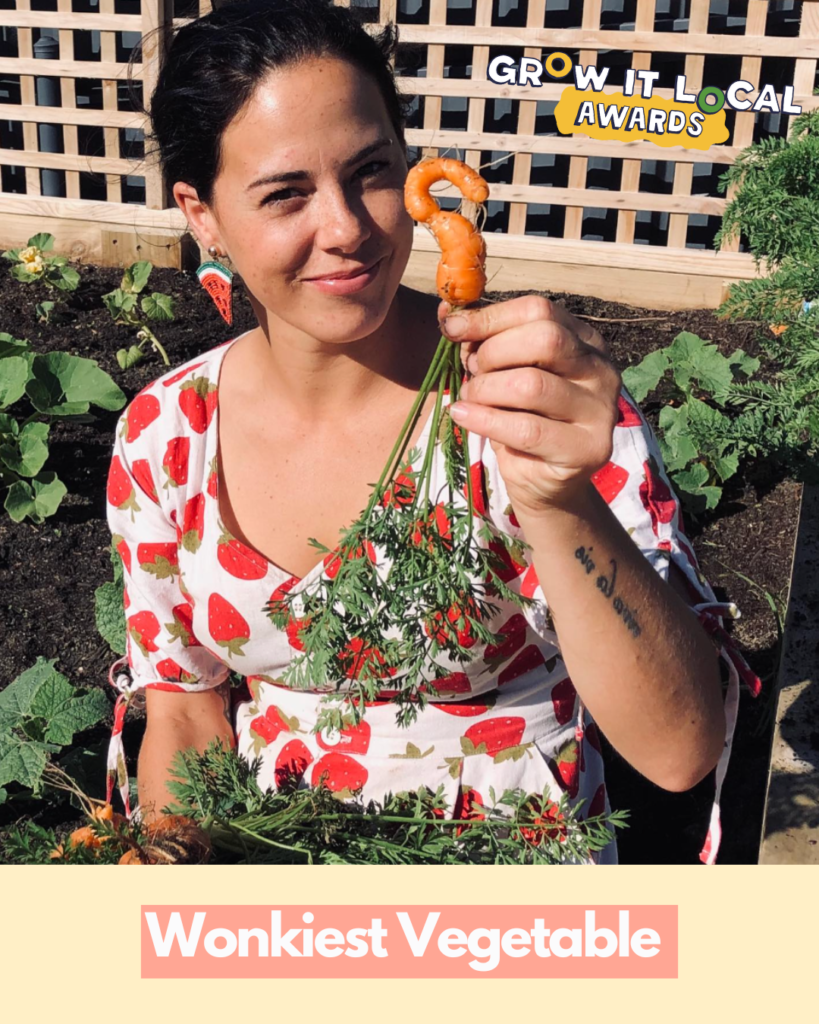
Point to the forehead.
(317, 111)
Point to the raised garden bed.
(48, 573)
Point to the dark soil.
(48, 573)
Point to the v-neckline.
(272, 567)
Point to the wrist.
(582, 502)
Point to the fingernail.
(458, 411)
(454, 326)
(472, 363)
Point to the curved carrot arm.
(421, 205)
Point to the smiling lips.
(346, 284)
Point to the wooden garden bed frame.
(672, 276)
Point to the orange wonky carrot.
(461, 276)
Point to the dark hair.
(214, 64)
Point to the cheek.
(273, 256)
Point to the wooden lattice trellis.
(111, 231)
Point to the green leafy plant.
(218, 791)
(54, 386)
(121, 303)
(40, 713)
(47, 312)
(775, 206)
(246, 824)
(699, 440)
(31, 264)
(775, 202)
(108, 608)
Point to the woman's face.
(332, 203)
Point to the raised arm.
(546, 396)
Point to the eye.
(281, 196)
(371, 169)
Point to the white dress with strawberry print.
(510, 718)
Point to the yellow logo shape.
(617, 116)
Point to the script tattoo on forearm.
(606, 586)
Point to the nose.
(342, 221)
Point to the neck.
(321, 381)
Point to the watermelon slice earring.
(217, 281)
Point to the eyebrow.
(272, 179)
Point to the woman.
(280, 131)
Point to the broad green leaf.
(14, 373)
(157, 306)
(695, 359)
(80, 714)
(128, 357)
(119, 303)
(30, 451)
(726, 465)
(19, 501)
(68, 280)
(677, 451)
(38, 498)
(21, 761)
(49, 491)
(694, 477)
(64, 384)
(52, 697)
(646, 375)
(674, 419)
(705, 419)
(11, 254)
(692, 484)
(743, 363)
(136, 276)
(11, 346)
(58, 261)
(42, 241)
(110, 615)
(17, 697)
(20, 273)
(9, 425)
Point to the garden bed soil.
(48, 573)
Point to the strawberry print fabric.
(510, 718)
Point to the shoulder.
(163, 435)
(180, 402)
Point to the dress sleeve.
(636, 488)
(162, 651)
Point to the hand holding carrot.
(543, 391)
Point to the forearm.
(637, 656)
(173, 727)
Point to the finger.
(551, 440)
(545, 345)
(479, 324)
(532, 390)
(468, 347)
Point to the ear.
(198, 216)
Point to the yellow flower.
(30, 255)
(35, 266)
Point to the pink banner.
(395, 941)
